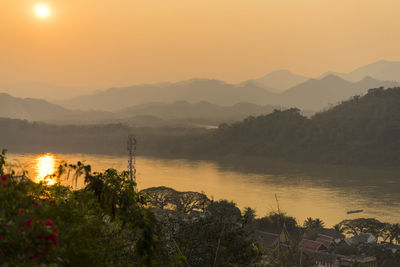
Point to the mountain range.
(181, 113)
(319, 94)
(205, 101)
(383, 70)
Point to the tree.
(164, 197)
(362, 225)
(311, 223)
(249, 215)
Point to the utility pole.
(132, 157)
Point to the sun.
(42, 11)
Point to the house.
(327, 241)
(272, 240)
(307, 245)
(363, 238)
(318, 252)
(392, 247)
(336, 235)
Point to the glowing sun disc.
(42, 11)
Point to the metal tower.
(132, 157)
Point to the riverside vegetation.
(108, 223)
(361, 131)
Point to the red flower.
(1, 237)
(29, 222)
(40, 221)
(49, 223)
(21, 211)
(36, 204)
(56, 231)
(3, 178)
(53, 238)
(45, 251)
(5, 186)
(22, 230)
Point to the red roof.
(312, 246)
(326, 240)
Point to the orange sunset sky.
(104, 43)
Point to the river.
(326, 195)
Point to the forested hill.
(362, 130)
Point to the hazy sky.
(103, 43)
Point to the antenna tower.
(132, 157)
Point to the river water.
(326, 195)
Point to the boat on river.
(354, 211)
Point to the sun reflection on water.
(45, 166)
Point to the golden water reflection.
(325, 196)
(45, 167)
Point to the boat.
(354, 211)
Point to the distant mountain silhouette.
(280, 80)
(40, 90)
(200, 112)
(381, 70)
(195, 90)
(319, 94)
(29, 108)
(40, 110)
(179, 113)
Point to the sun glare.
(42, 11)
(45, 166)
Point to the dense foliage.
(363, 130)
(104, 224)
(108, 223)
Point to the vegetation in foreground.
(108, 223)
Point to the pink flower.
(49, 223)
(22, 230)
(36, 204)
(28, 222)
(1, 237)
(56, 231)
(21, 211)
(3, 178)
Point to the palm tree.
(394, 233)
(311, 223)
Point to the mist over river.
(324, 195)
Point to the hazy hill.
(363, 130)
(40, 90)
(40, 110)
(180, 113)
(29, 108)
(319, 94)
(195, 90)
(280, 80)
(381, 70)
(199, 110)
